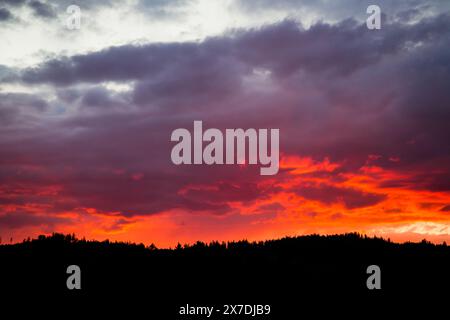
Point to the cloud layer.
(363, 118)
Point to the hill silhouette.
(278, 272)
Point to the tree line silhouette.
(278, 271)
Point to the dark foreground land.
(290, 274)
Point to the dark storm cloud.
(351, 198)
(204, 78)
(283, 48)
(114, 64)
(223, 192)
(42, 9)
(12, 105)
(341, 48)
(339, 91)
(5, 15)
(101, 97)
(12, 2)
(22, 100)
(17, 109)
(14, 220)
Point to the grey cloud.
(101, 97)
(42, 9)
(22, 100)
(5, 15)
(12, 2)
(326, 10)
(8, 74)
(163, 8)
(14, 220)
(283, 48)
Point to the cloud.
(159, 9)
(75, 143)
(7, 74)
(335, 11)
(15, 220)
(42, 9)
(12, 3)
(103, 98)
(19, 108)
(339, 49)
(423, 181)
(350, 197)
(5, 15)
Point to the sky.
(86, 117)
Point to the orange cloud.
(308, 196)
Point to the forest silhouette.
(281, 272)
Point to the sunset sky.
(86, 118)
